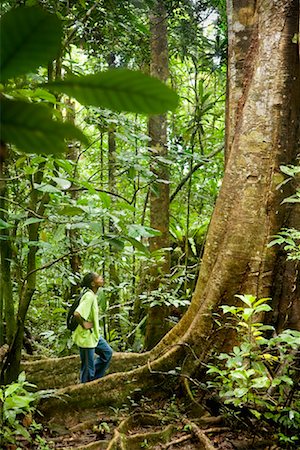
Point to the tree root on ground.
(148, 430)
(115, 389)
(199, 434)
(57, 373)
(126, 439)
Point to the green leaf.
(141, 231)
(31, 128)
(17, 401)
(30, 37)
(4, 225)
(120, 90)
(260, 301)
(257, 414)
(263, 307)
(229, 309)
(62, 182)
(260, 382)
(22, 431)
(138, 245)
(240, 392)
(248, 299)
(105, 198)
(290, 170)
(116, 243)
(32, 220)
(11, 389)
(247, 313)
(46, 188)
(71, 211)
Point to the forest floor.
(167, 429)
(93, 436)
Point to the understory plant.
(17, 406)
(260, 376)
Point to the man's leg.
(104, 352)
(87, 370)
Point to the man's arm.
(84, 323)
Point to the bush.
(16, 412)
(260, 374)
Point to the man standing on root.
(87, 334)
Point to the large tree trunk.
(159, 196)
(263, 133)
(248, 211)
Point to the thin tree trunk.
(75, 257)
(114, 298)
(159, 195)
(7, 311)
(114, 279)
(11, 366)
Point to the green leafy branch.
(30, 38)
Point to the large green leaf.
(138, 245)
(120, 90)
(30, 37)
(31, 128)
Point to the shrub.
(260, 374)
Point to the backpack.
(72, 323)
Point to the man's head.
(92, 281)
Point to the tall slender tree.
(6, 293)
(159, 196)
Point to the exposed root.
(177, 441)
(125, 439)
(203, 440)
(112, 390)
(57, 373)
(215, 430)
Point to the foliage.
(17, 408)
(289, 238)
(35, 41)
(260, 374)
(70, 201)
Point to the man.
(87, 334)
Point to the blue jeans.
(92, 369)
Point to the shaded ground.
(167, 429)
(159, 422)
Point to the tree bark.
(114, 279)
(75, 257)
(7, 311)
(11, 366)
(159, 195)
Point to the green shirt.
(88, 309)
